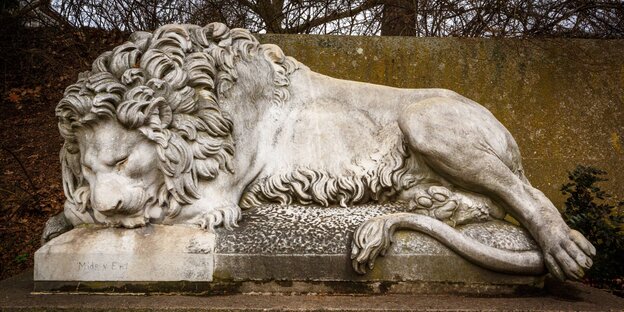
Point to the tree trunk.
(399, 18)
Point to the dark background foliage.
(591, 211)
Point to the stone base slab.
(16, 295)
(153, 253)
(276, 249)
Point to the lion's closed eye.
(86, 169)
(120, 163)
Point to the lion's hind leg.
(467, 146)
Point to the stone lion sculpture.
(189, 124)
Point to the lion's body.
(346, 134)
(235, 123)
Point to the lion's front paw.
(370, 240)
(225, 215)
(567, 254)
(54, 227)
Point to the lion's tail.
(374, 236)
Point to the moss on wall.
(563, 100)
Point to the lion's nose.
(107, 196)
(117, 205)
(109, 206)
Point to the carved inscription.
(91, 266)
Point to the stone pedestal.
(276, 249)
(149, 254)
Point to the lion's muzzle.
(112, 195)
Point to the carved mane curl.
(384, 174)
(166, 85)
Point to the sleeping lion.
(189, 124)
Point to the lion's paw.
(438, 202)
(54, 227)
(224, 215)
(567, 254)
(371, 239)
(452, 207)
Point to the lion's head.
(145, 125)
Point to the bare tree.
(498, 18)
(275, 16)
(439, 18)
(398, 18)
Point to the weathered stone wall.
(563, 100)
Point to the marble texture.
(189, 125)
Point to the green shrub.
(594, 213)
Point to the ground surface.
(15, 295)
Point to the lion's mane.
(166, 85)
